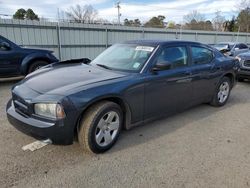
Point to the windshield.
(124, 57)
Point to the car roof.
(160, 42)
(230, 43)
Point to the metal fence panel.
(87, 40)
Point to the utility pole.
(119, 14)
(58, 15)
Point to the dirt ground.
(201, 147)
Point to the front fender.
(109, 97)
(31, 57)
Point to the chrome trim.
(149, 59)
(21, 104)
(242, 62)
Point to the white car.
(231, 48)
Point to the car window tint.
(2, 48)
(243, 46)
(177, 56)
(201, 55)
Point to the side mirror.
(162, 65)
(5, 45)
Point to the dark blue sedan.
(126, 85)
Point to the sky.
(173, 10)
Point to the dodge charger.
(126, 85)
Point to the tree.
(243, 20)
(30, 15)
(201, 25)
(196, 21)
(20, 14)
(171, 25)
(194, 16)
(156, 22)
(82, 14)
(230, 25)
(135, 22)
(218, 21)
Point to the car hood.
(62, 78)
(245, 56)
(38, 50)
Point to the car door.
(9, 59)
(204, 72)
(168, 91)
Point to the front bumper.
(243, 73)
(57, 131)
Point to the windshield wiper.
(104, 66)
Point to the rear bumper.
(58, 131)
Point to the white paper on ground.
(35, 145)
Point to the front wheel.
(100, 127)
(222, 92)
(37, 65)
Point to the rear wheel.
(100, 127)
(222, 92)
(37, 65)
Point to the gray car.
(232, 48)
(244, 72)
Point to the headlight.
(49, 110)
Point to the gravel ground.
(201, 147)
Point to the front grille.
(21, 106)
(246, 63)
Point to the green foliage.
(30, 15)
(156, 22)
(171, 25)
(231, 25)
(22, 14)
(135, 22)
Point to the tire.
(240, 79)
(97, 133)
(37, 65)
(222, 92)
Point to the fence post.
(247, 39)
(143, 33)
(196, 36)
(215, 38)
(107, 37)
(59, 46)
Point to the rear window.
(201, 55)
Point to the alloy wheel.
(223, 93)
(107, 128)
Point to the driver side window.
(176, 56)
